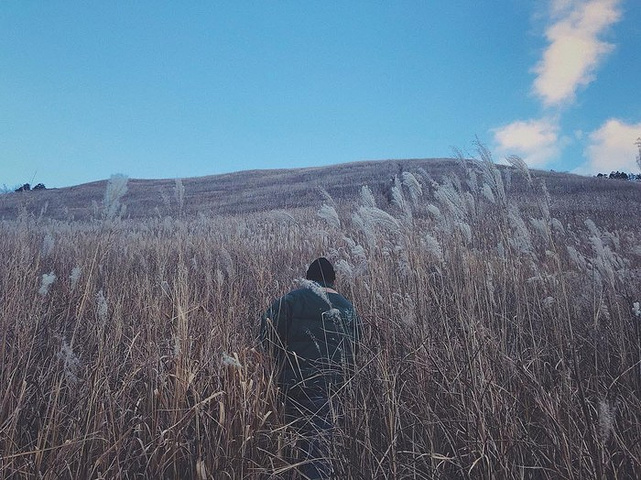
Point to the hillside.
(500, 324)
(264, 190)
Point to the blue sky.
(182, 89)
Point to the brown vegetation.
(502, 339)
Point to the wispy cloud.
(537, 142)
(612, 147)
(575, 48)
(574, 51)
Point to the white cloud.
(612, 147)
(537, 142)
(574, 49)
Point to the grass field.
(501, 341)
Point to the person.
(312, 334)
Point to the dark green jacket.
(313, 335)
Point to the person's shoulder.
(296, 294)
(298, 291)
(338, 298)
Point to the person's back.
(312, 333)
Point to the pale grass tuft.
(518, 163)
(329, 214)
(179, 194)
(71, 363)
(74, 277)
(377, 217)
(101, 307)
(46, 280)
(398, 199)
(367, 198)
(328, 198)
(606, 419)
(282, 216)
(521, 239)
(433, 247)
(548, 302)
(47, 245)
(487, 193)
(434, 211)
(466, 231)
(414, 188)
(116, 189)
(231, 360)
(344, 269)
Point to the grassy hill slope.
(501, 339)
(264, 190)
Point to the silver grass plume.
(545, 201)
(329, 214)
(281, 216)
(227, 263)
(433, 247)
(606, 261)
(47, 245)
(179, 194)
(472, 180)
(358, 256)
(518, 163)
(466, 231)
(614, 240)
(486, 191)
(397, 194)
(403, 260)
(74, 277)
(325, 194)
(116, 189)
(413, 186)
(377, 217)
(451, 200)
(520, 239)
(365, 227)
(102, 308)
(231, 360)
(358, 252)
(592, 227)
(578, 259)
(542, 228)
(367, 198)
(507, 179)
(422, 173)
(71, 363)
(491, 174)
(398, 199)
(434, 211)
(344, 270)
(406, 309)
(557, 225)
(606, 419)
(469, 202)
(46, 281)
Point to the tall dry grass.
(498, 343)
